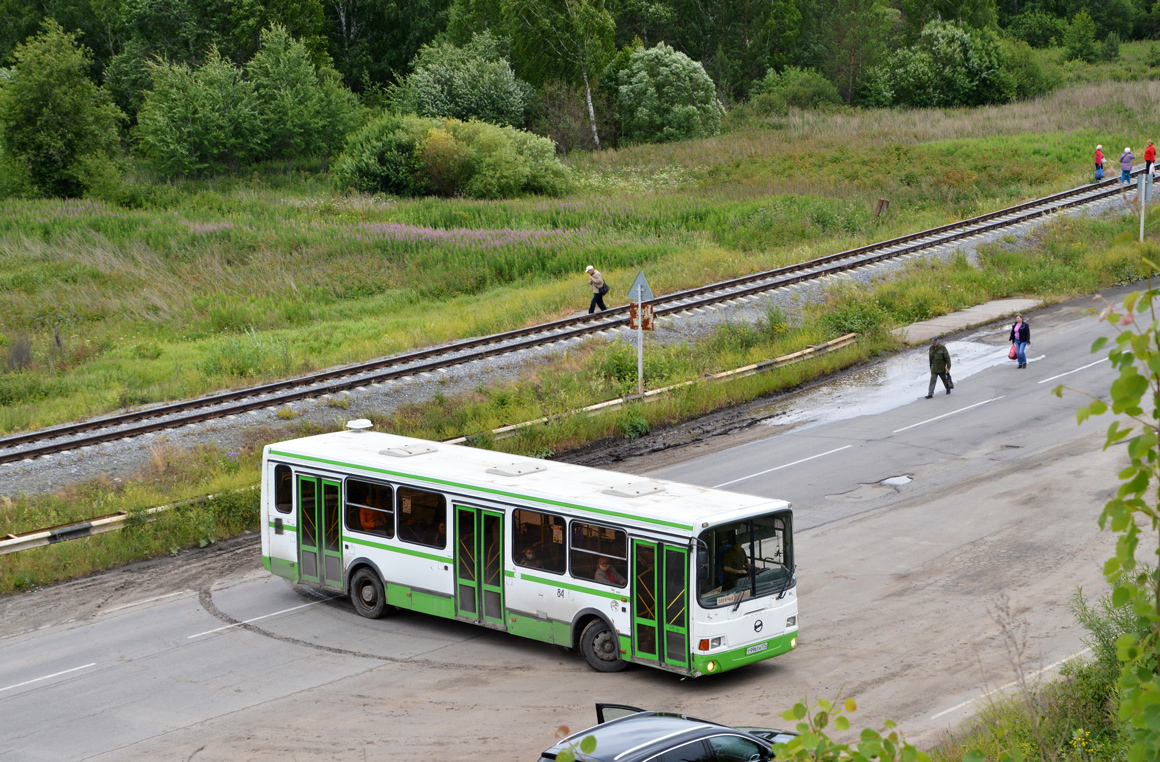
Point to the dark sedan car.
(627, 734)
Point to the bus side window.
(369, 508)
(283, 489)
(599, 554)
(422, 517)
(538, 541)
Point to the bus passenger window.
(599, 554)
(369, 508)
(538, 541)
(283, 489)
(422, 517)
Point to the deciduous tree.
(54, 119)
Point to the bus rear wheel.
(367, 594)
(601, 647)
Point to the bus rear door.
(660, 609)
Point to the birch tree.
(561, 39)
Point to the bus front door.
(660, 611)
(479, 565)
(320, 531)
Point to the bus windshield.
(744, 559)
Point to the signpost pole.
(1143, 180)
(640, 336)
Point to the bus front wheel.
(601, 647)
(367, 594)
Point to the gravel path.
(123, 459)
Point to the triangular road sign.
(645, 294)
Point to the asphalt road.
(934, 539)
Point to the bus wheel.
(601, 647)
(367, 594)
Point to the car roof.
(640, 736)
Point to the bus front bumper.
(723, 661)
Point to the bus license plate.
(756, 649)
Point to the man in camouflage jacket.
(940, 366)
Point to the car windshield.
(744, 559)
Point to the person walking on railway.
(1149, 158)
(940, 366)
(1099, 163)
(599, 289)
(1020, 337)
(1126, 159)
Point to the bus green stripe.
(570, 586)
(489, 490)
(396, 549)
(285, 527)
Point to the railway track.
(75, 436)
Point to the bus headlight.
(792, 621)
(715, 642)
(793, 643)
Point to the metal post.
(640, 339)
(1143, 202)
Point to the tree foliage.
(663, 96)
(948, 66)
(195, 121)
(220, 116)
(1134, 511)
(470, 82)
(54, 121)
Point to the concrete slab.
(919, 333)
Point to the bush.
(1110, 49)
(1039, 29)
(1032, 78)
(198, 121)
(860, 316)
(803, 88)
(219, 116)
(472, 82)
(1080, 40)
(662, 95)
(949, 66)
(413, 156)
(52, 116)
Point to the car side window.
(694, 751)
(736, 749)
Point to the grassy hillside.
(231, 281)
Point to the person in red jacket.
(1099, 163)
(1149, 158)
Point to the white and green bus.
(623, 569)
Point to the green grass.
(231, 281)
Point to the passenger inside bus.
(607, 573)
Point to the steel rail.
(436, 358)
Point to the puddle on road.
(888, 385)
(896, 481)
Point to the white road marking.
(778, 468)
(154, 599)
(1032, 676)
(1077, 370)
(255, 619)
(944, 415)
(47, 677)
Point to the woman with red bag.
(1020, 337)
